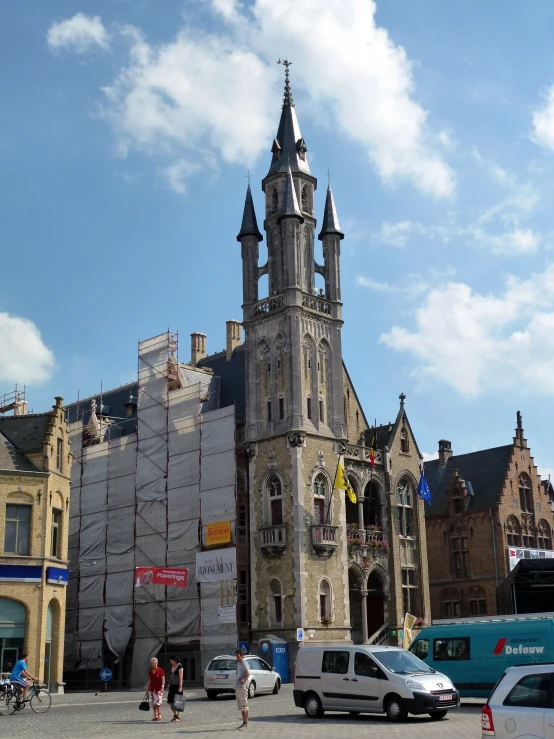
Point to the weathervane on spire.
(287, 100)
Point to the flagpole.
(332, 492)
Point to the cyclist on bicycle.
(20, 675)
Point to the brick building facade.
(485, 505)
(34, 501)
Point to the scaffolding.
(142, 500)
(14, 401)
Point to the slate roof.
(249, 226)
(485, 469)
(25, 432)
(232, 387)
(330, 218)
(12, 459)
(289, 205)
(287, 144)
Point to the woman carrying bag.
(155, 686)
(175, 694)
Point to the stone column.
(365, 635)
(361, 514)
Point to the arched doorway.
(375, 602)
(13, 621)
(355, 594)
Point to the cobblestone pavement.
(89, 716)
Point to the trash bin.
(275, 652)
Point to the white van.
(368, 679)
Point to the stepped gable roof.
(12, 459)
(485, 470)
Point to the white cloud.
(397, 234)
(382, 287)
(427, 457)
(220, 91)
(543, 122)
(177, 173)
(476, 342)
(545, 473)
(80, 33)
(24, 357)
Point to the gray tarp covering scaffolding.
(138, 501)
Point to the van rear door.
(366, 683)
(335, 679)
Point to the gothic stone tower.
(295, 419)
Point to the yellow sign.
(218, 533)
(409, 622)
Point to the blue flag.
(423, 488)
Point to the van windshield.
(402, 663)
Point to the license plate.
(446, 697)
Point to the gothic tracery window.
(325, 600)
(321, 501)
(404, 493)
(513, 532)
(544, 535)
(404, 441)
(274, 492)
(372, 506)
(525, 497)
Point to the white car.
(521, 705)
(220, 676)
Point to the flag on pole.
(372, 452)
(423, 488)
(342, 482)
(407, 635)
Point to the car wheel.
(396, 710)
(312, 706)
(252, 689)
(212, 694)
(277, 686)
(437, 715)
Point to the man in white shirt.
(241, 687)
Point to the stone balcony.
(366, 546)
(273, 539)
(325, 539)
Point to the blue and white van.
(474, 652)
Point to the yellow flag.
(342, 482)
(409, 622)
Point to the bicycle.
(38, 698)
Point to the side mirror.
(273, 669)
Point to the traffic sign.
(300, 634)
(243, 645)
(105, 674)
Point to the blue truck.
(474, 652)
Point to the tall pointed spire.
(330, 223)
(289, 148)
(249, 226)
(289, 205)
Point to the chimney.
(197, 348)
(445, 451)
(233, 337)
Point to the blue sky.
(127, 129)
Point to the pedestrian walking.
(241, 687)
(155, 685)
(175, 686)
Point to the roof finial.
(519, 425)
(401, 398)
(287, 99)
(329, 177)
(248, 176)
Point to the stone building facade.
(489, 509)
(34, 501)
(342, 571)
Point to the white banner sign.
(226, 614)
(217, 565)
(517, 553)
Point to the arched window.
(275, 603)
(404, 441)
(544, 535)
(274, 201)
(274, 500)
(305, 199)
(372, 506)
(405, 499)
(325, 601)
(513, 532)
(321, 501)
(477, 599)
(525, 497)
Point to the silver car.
(521, 705)
(220, 676)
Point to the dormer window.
(301, 148)
(275, 150)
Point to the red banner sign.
(175, 577)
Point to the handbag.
(178, 702)
(144, 705)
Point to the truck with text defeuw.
(474, 652)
